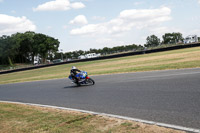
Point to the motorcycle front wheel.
(90, 81)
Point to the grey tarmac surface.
(171, 96)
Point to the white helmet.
(73, 67)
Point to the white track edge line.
(111, 115)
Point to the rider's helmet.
(73, 67)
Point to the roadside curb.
(187, 129)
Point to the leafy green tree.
(68, 55)
(45, 45)
(106, 50)
(23, 47)
(92, 51)
(152, 41)
(7, 51)
(172, 38)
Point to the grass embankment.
(176, 59)
(23, 118)
(15, 66)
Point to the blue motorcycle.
(83, 79)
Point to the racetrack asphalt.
(170, 96)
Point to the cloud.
(192, 32)
(48, 27)
(138, 3)
(64, 26)
(109, 42)
(99, 18)
(159, 31)
(199, 1)
(79, 20)
(126, 21)
(77, 5)
(1, 0)
(13, 11)
(10, 24)
(59, 5)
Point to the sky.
(85, 24)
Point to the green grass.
(16, 118)
(15, 66)
(176, 59)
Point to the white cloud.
(77, 5)
(13, 11)
(138, 3)
(193, 32)
(109, 42)
(64, 26)
(1, 0)
(48, 27)
(159, 31)
(10, 24)
(199, 1)
(99, 18)
(126, 21)
(79, 20)
(59, 5)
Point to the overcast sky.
(85, 24)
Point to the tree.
(7, 51)
(152, 41)
(68, 55)
(172, 38)
(93, 51)
(106, 50)
(45, 46)
(52, 46)
(24, 43)
(23, 47)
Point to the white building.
(191, 39)
(92, 55)
(37, 60)
(82, 57)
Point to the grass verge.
(15, 66)
(16, 118)
(175, 59)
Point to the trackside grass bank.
(16, 118)
(176, 59)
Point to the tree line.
(103, 51)
(151, 41)
(24, 47)
(167, 38)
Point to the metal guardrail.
(107, 57)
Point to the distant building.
(82, 57)
(37, 60)
(90, 55)
(191, 39)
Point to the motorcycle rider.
(73, 73)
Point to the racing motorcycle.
(83, 79)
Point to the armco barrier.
(107, 57)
